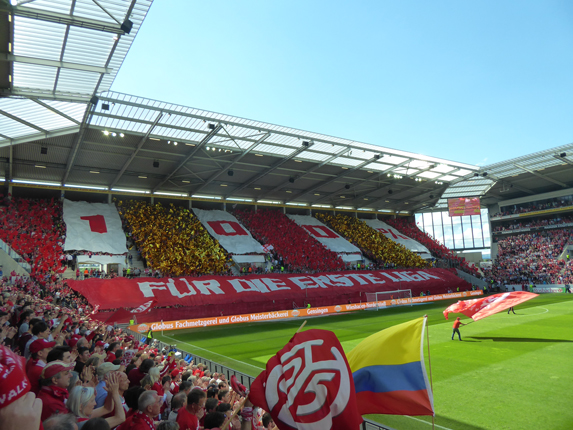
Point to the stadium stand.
(172, 240)
(381, 250)
(531, 258)
(36, 231)
(514, 225)
(437, 249)
(541, 205)
(292, 245)
(74, 357)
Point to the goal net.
(384, 299)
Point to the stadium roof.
(60, 124)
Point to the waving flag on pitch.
(389, 372)
(477, 309)
(307, 385)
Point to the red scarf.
(140, 418)
(62, 393)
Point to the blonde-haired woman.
(82, 402)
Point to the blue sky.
(474, 82)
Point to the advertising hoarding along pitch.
(294, 313)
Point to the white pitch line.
(211, 352)
(429, 423)
(531, 315)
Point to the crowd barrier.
(243, 378)
(294, 313)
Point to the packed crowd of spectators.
(372, 243)
(293, 248)
(534, 206)
(509, 226)
(172, 240)
(36, 231)
(437, 249)
(530, 258)
(62, 370)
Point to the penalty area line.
(211, 352)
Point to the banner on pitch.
(223, 290)
(294, 313)
(232, 236)
(394, 235)
(94, 227)
(478, 309)
(324, 234)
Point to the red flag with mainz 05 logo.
(308, 385)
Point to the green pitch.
(509, 372)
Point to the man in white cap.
(103, 370)
(54, 393)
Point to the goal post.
(384, 299)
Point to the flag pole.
(301, 327)
(430, 365)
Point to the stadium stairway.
(10, 261)
(69, 274)
(567, 250)
(136, 262)
(471, 279)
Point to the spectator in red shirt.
(112, 348)
(39, 350)
(188, 417)
(55, 380)
(457, 324)
(148, 405)
(136, 375)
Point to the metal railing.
(243, 378)
(15, 256)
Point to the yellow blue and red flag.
(389, 372)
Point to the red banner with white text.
(262, 290)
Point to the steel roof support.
(60, 18)
(79, 140)
(47, 106)
(274, 166)
(372, 178)
(539, 175)
(563, 159)
(331, 180)
(191, 154)
(31, 138)
(53, 63)
(136, 150)
(46, 95)
(11, 165)
(437, 195)
(309, 171)
(235, 161)
(20, 120)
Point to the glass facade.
(458, 232)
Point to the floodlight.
(127, 26)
